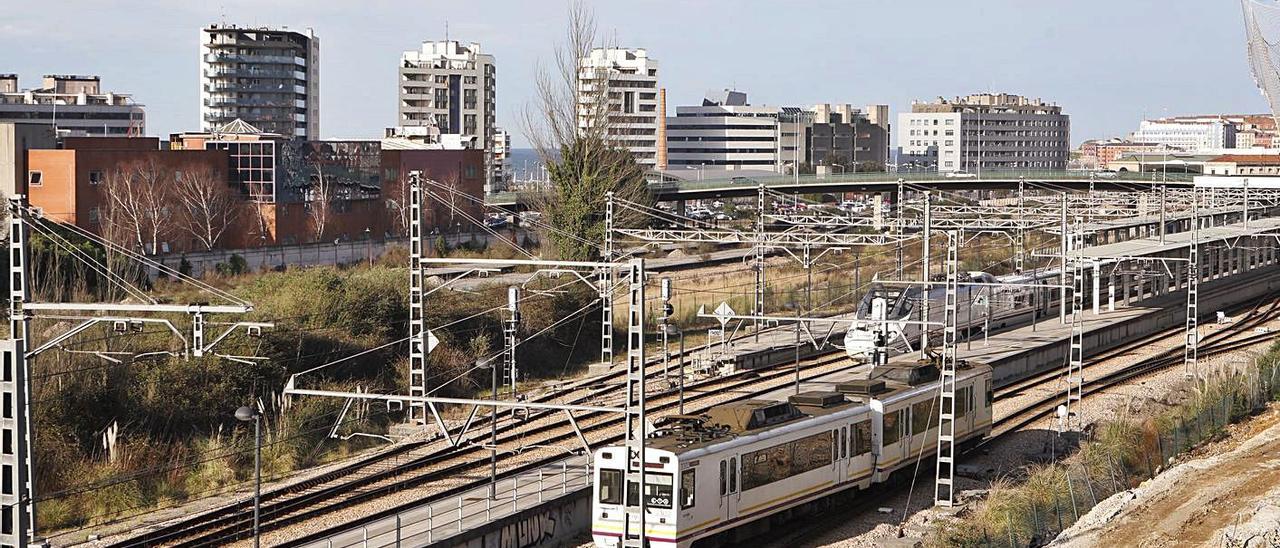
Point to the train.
(718, 478)
(983, 302)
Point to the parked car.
(961, 175)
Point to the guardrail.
(441, 519)
(890, 178)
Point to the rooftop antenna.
(446, 31)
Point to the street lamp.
(368, 236)
(246, 414)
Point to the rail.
(454, 515)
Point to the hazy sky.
(1108, 62)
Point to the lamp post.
(368, 236)
(246, 414)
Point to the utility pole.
(605, 283)
(417, 304)
(19, 468)
(635, 418)
(927, 277)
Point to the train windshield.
(898, 306)
(610, 486)
(658, 491)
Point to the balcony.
(253, 73)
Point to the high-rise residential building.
(75, 105)
(1191, 134)
(618, 98)
(269, 78)
(453, 88)
(501, 159)
(984, 132)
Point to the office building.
(74, 104)
(984, 132)
(269, 78)
(451, 87)
(725, 132)
(1191, 134)
(618, 100)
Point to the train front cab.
(662, 494)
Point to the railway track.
(1234, 337)
(423, 453)
(444, 468)
(431, 461)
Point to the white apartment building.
(984, 132)
(618, 96)
(269, 78)
(724, 132)
(75, 105)
(453, 87)
(1188, 134)
(502, 173)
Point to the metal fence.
(443, 518)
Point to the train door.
(860, 445)
(839, 450)
(729, 493)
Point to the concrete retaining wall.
(327, 253)
(552, 523)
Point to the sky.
(1109, 63)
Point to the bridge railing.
(930, 176)
(791, 181)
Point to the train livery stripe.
(818, 487)
(807, 494)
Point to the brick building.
(365, 187)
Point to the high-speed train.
(980, 304)
(713, 479)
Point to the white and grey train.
(992, 302)
(717, 479)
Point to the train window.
(964, 396)
(733, 474)
(923, 416)
(892, 427)
(988, 383)
(785, 460)
(862, 438)
(657, 491)
(610, 486)
(834, 446)
(844, 442)
(724, 480)
(688, 487)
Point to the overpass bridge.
(674, 189)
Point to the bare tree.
(319, 202)
(136, 200)
(575, 135)
(208, 206)
(397, 197)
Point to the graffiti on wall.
(546, 527)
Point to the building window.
(35, 178)
(95, 177)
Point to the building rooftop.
(1265, 159)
